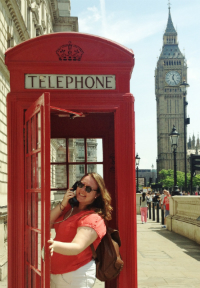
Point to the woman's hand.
(68, 195)
(52, 246)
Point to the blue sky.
(140, 25)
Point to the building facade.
(147, 174)
(193, 146)
(21, 20)
(170, 72)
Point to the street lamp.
(157, 170)
(174, 135)
(137, 162)
(184, 87)
(152, 172)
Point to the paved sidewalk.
(166, 259)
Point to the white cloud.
(96, 16)
(127, 31)
(103, 13)
(89, 19)
(120, 29)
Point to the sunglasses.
(88, 189)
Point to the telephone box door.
(37, 190)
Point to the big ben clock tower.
(170, 72)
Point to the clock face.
(173, 78)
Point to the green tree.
(195, 180)
(167, 179)
(180, 179)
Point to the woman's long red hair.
(102, 204)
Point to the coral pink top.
(166, 202)
(66, 231)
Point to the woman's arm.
(84, 237)
(57, 211)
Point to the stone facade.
(193, 146)
(138, 200)
(170, 72)
(21, 20)
(184, 216)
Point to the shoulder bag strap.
(94, 254)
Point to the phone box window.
(58, 176)
(76, 172)
(97, 168)
(94, 150)
(57, 195)
(58, 150)
(76, 150)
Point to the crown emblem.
(69, 52)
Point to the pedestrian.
(156, 197)
(149, 196)
(77, 228)
(143, 208)
(166, 203)
(162, 198)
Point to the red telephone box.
(68, 90)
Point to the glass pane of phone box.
(95, 150)
(58, 176)
(76, 150)
(97, 168)
(76, 172)
(58, 150)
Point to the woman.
(143, 208)
(76, 229)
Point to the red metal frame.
(75, 114)
(100, 57)
(42, 106)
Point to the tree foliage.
(167, 179)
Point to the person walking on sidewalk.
(166, 204)
(143, 208)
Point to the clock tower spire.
(170, 35)
(170, 72)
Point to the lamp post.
(184, 87)
(137, 162)
(174, 135)
(157, 170)
(152, 172)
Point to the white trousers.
(83, 277)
